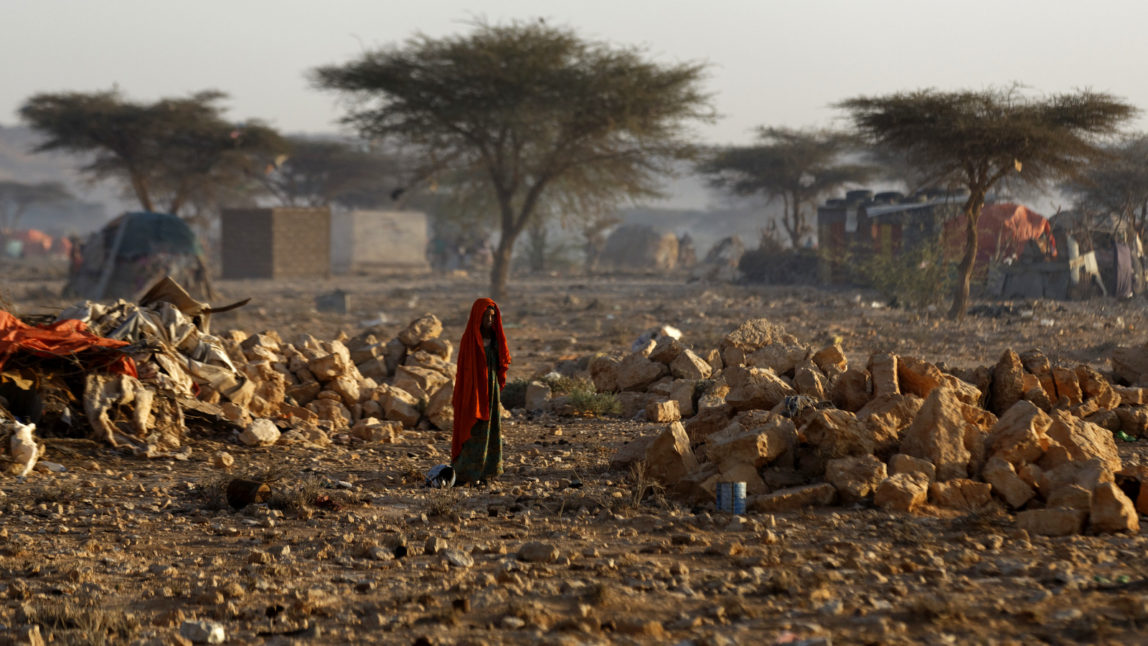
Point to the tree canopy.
(796, 166)
(533, 111)
(976, 139)
(1116, 184)
(316, 172)
(168, 153)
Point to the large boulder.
(793, 499)
(755, 388)
(852, 390)
(1051, 521)
(1084, 440)
(1020, 435)
(856, 477)
(938, 435)
(1007, 383)
(424, 328)
(635, 372)
(670, 457)
(1000, 473)
(902, 492)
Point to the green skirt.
(481, 456)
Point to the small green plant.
(592, 403)
(914, 277)
(562, 385)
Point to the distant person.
(476, 444)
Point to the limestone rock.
(420, 382)
(1020, 435)
(398, 405)
(666, 350)
(424, 328)
(1133, 420)
(632, 452)
(836, 433)
(757, 333)
(918, 377)
(537, 394)
(663, 411)
(670, 457)
(758, 446)
(682, 391)
(708, 421)
(883, 369)
(687, 365)
(1007, 383)
(809, 381)
(1131, 364)
(1112, 511)
(960, 493)
(635, 372)
(793, 499)
(1130, 396)
(901, 463)
(1067, 386)
(261, 432)
(902, 492)
(1096, 388)
(755, 388)
(1071, 497)
(938, 435)
(830, 360)
(1003, 477)
(855, 477)
(439, 411)
(781, 358)
(1051, 521)
(896, 411)
(1084, 440)
(852, 390)
(370, 429)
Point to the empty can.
(731, 497)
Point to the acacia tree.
(16, 197)
(169, 153)
(1118, 183)
(796, 166)
(977, 139)
(534, 111)
(315, 172)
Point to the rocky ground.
(350, 548)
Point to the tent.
(1003, 232)
(134, 251)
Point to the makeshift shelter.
(279, 242)
(132, 252)
(363, 240)
(1003, 232)
(641, 247)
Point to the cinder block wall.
(276, 243)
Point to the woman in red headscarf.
(476, 447)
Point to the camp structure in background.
(32, 243)
(638, 247)
(281, 242)
(134, 251)
(364, 240)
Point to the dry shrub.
(644, 486)
(513, 395)
(444, 502)
(297, 497)
(78, 625)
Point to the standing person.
(476, 446)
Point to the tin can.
(731, 497)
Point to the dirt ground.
(560, 550)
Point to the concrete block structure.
(281, 242)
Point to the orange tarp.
(67, 338)
(1002, 231)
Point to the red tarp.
(67, 338)
(1002, 231)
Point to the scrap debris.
(137, 373)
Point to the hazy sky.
(772, 62)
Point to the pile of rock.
(801, 427)
(304, 389)
(374, 387)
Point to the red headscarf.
(471, 398)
